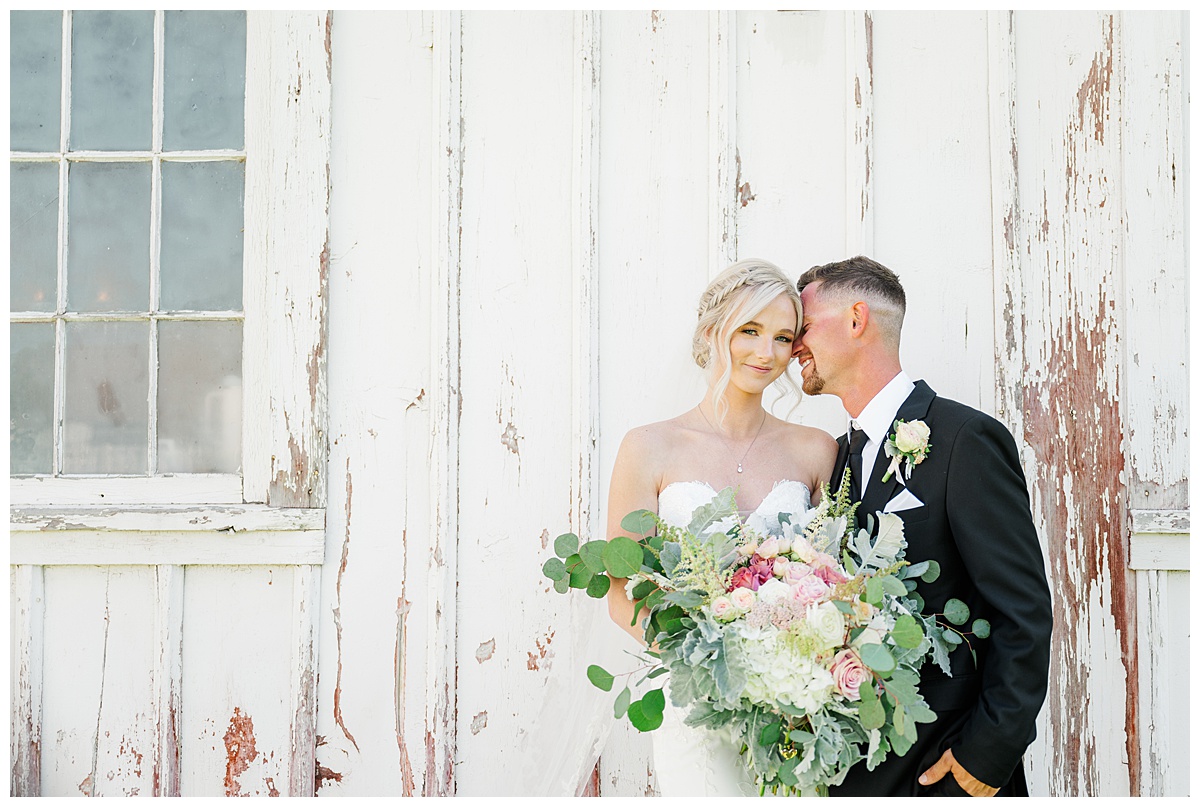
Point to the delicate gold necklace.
(721, 437)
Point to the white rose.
(742, 598)
(802, 550)
(769, 548)
(827, 624)
(746, 550)
(785, 545)
(868, 636)
(773, 591)
(781, 565)
(912, 437)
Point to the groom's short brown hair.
(859, 274)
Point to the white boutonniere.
(908, 447)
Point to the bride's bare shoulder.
(654, 438)
(810, 441)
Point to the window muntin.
(126, 240)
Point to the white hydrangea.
(778, 672)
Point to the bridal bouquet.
(804, 642)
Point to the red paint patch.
(325, 775)
(239, 750)
(535, 659)
(271, 790)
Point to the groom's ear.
(860, 315)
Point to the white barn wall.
(524, 210)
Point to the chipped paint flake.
(479, 722)
(240, 750)
(485, 650)
(510, 437)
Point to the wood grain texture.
(26, 632)
(287, 255)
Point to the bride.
(749, 317)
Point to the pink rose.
(809, 590)
(825, 567)
(742, 598)
(722, 609)
(795, 572)
(848, 673)
(754, 575)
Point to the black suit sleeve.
(988, 510)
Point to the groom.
(965, 506)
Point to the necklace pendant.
(739, 467)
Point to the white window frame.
(285, 267)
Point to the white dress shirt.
(877, 417)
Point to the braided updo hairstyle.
(734, 297)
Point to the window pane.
(106, 396)
(31, 397)
(33, 236)
(201, 255)
(204, 80)
(199, 397)
(112, 70)
(35, 80)
(108, 237)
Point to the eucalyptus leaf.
(898, 719)
(639, 522)
(643, 589)
(658, 672)
(622, 703)
(951, 637)
(641, 720)
(981, 628)
(787, 771)
(598, 586)
(554, 569)
(916, 569)
(562, 585)
(601, 677)
(874, 592)
(566, 544)
(843, 606)
(956, 611)
(900, 742)
(592, 554)
(580, 574)
(622, 556)
(877, 657)
(906, 632)
(933, 572)
(870, 710)
(894, 586)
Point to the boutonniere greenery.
(908, 447)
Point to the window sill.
(165, 534)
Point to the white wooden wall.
(524, 210)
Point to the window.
(126, 234)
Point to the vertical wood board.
(1071, 198)
(372, 655)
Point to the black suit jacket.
(976, 523)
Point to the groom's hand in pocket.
(947, 764)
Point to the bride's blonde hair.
(734, 297)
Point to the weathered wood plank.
(375, 604)
(860, 141)
(166, 518)
(1164, 522)
(236, 726)
(791, 207)
(439, 629)
(26, 635)
(1154, 98)
(74, 547)
(1165, 552)
(653, 214)
(99, 710)
(1164, 689)
(285, 287)
(108, 491)
(166, 678)
(932, 204)
(302, 767)
(1071, 321)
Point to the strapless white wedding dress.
(697, 761)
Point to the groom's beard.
(813, 384)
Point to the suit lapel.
(879, 493)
